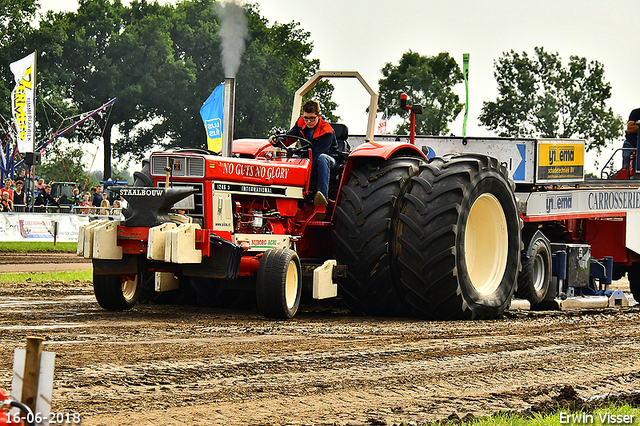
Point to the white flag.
(23, 101)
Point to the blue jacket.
(323, 140)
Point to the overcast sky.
(363, 35)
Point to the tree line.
(162, 61)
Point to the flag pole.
(465, 73)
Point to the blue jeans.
(323, 165)
(626, 154)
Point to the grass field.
(39, 277)
(37, 247)
(608, 415)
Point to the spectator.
(86, 204)
(6, 205)
(40, 185)
(97, 197)
(76, 197)
(44, 199)
(7, 188)
(117, 208)
(18, 197)
(631, 137)
(104, 207)
(77, 201)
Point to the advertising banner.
(560, 160)
(40, 227)
(23, 105)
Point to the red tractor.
(399, 235)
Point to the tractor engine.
(253, 215)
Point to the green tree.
(427, 80)
(15, 30)
(115, 51)
(62, 163)
(275, 63)
(163, 61)
(539, 97)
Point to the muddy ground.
(175, 365)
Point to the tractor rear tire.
(534, 280)
(458, 239)
(117, 292)
(279, 284)
(366, 216)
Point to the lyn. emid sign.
(560, 161)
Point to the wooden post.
(31, 372)
(55, 232)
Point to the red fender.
(384, 150)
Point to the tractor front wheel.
(279, 284)
(117, 292)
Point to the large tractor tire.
(117, 292)
(458, 239)
(535, 277)
(366, 216)
(279, 284)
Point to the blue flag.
(211, 113)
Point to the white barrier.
(40, 226)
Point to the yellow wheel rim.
(129, 288)
(486, 244)
(291, 285)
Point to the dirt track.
(174, 365)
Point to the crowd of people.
(93, 202)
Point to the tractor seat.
(342, 134)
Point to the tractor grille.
(181, 166)
(198, 199)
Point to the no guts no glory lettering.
(255, 171)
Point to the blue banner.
(211, 113)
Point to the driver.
(323, 146)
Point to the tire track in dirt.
(176, 364)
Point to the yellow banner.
(23, 101)
(560, 154)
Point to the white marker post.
(33, 379)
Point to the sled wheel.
(366, 216)
(117, 292)
(535, 277)
(459, 239)
(279, 284)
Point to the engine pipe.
(415, 109)
(229, 110)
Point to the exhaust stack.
(229, 110)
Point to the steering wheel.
(305, 144)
